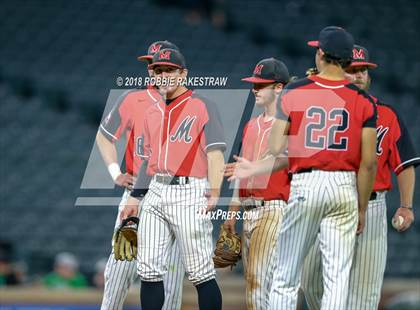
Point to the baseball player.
(183, 145)
(331, 148)
(127, 118)
(264, 196)
(395, 153)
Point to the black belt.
(306, 170)
(373, 196)
(172, 180)
(250, 204)
(309, 170)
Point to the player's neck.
(331, 72)
(179, 91)
(270, 111)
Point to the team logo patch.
(184, 130)
(358, 54)
(155, 48)
(258, 69)
(380, 135)
(165, 55)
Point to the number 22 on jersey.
(323, 128)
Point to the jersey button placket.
(167, 137)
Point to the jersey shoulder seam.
(381, 103)
(361, 92)
(299, 83)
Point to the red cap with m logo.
(156, 47)
(361, 57)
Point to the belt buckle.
(178, 180)
(373, 196)
(163, 179)
(249, 204)
(174, 180)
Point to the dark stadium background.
(60, 59)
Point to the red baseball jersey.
(127, 117)
(179, 133)
(394, 147)
(326, 121)
(275, 186)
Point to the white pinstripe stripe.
(171, 212)
(119, 275)
(366, 274)
(260, 235)
(313, 209)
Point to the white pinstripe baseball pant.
(169, 213)
(320, 202)
(367, 271)
(119, 275)
(260, 233)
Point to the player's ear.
(278, 88)
(184, 73)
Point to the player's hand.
(229, 169)
(212, 198)
(125, 180)
(407, 215)
(131, 208)
(241, 169)
(230, 225)
(361, 224)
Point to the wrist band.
(407, 207)
(235, 200)
(114, 170)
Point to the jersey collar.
(328, 83)
(153, 93)
(177, 100)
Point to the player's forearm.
(270, 164)
(235, 203)
(235, 194)
(215, 168)
(142, 183)
(133, 201)
(109, 155)
(406, 182)
(365, 181)
(107, 149)
(367, 170)
(277, 141)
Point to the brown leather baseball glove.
(125, 240)
(311, 71)
(228, 249)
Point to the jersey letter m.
(380, 135)
(183, 131)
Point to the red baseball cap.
(361, 57)
(269, 70)
(155, 47)
(168, 57)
